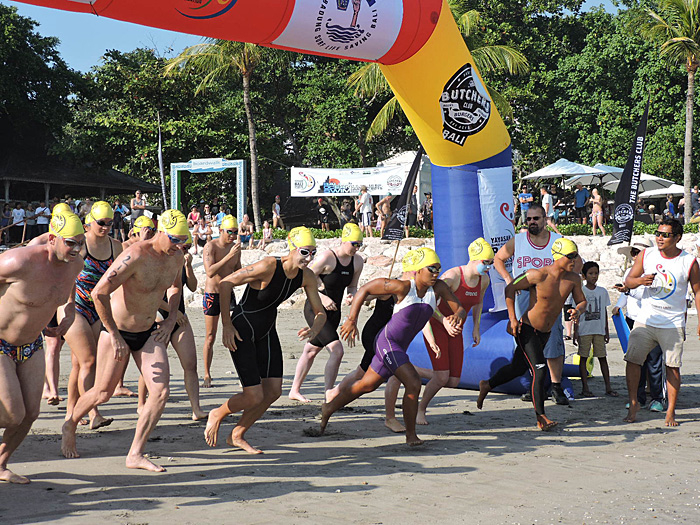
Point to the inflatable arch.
(423, 56)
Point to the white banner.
(312, 182)
(496, 198)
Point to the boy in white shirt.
(592, 328)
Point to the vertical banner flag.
(160, 165)
(495, 190)
(628, 189)
(395, 229)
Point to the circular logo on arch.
(204, 9)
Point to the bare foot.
(611, 393)
(325, 416)
(394, 425)
(332, 393)
(632, 413)
(11, 477)
(68, 441)
(207, 382)
(143, 463)
(211, 432)
(122, 391)
(484, 389)
(420, 419)
(53, 401)
(198, 415)
(296, 396)
(671, 420)
(99, 422)
(414, 441)
(242, 444)
(545, 423)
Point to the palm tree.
(369, 82)
(216, 59)
(675, 26)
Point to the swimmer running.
(415, 305)
(549, 288)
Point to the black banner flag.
(395, 229)
(628, 189)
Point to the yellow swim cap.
(61, 207)
(143, 222)
(563, 247)
(66, 225)
(101, 210)
(424, 257)
(189, 238)
(300, 236)
(480, 250)
(408, 261)
(173, 222)
(351, 233)
(229, 222)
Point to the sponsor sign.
(312, 182)
(465, 105)
(395, 229)
(364, 29)
(495, 198)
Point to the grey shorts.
(555, 344)
(643, 339)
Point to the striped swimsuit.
(93, 270)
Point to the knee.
(272, 394)
(210, 339)
(254, 396)
(441, 378)
(86, 365)
(412, 386)
(453, 382)
(104, 395)
(32, 414)
(311, 351)
(160, 395)
(15, 417)
(336, 350)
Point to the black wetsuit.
(529, 353)
(383, 310)
(334, 284)
(259, 354)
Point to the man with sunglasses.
(250, 332)
(127, 298)
(549, 287)
(531, 250)
(666, 271)
(221, 257)
(337, 270)
(34, 282)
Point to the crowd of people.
(114, 301)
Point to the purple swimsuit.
(410, 316)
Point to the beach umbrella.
(608, 169)
(646, 183)
(673, 189)
(563, 168)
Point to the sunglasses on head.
(176, 240)
(104, 223)
(232, 232)
(665, 235)
(433, 269)
(356, 244)
(305, 252)
(528, 219)
(634, 252)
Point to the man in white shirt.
(43, 215)
(666, 271)
(364, 208)
(18, 215)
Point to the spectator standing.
(581, 196)
(5, 222)
(670, 211)
(653, 366)
(667, 271)
(31, 222)
(18, 216)
(548, 205)
(364, 208)
(526, 199)
(412, 214)
(597, 214)
(138, 206)
(119, 221)
(384, 213)
(215, 208)
(592, 329)
(208, 215)
(323, 216)
(427, 211)
(277, 214)
(345, 212)
(43, 214)
(69, 202)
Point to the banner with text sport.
(628, 189)
(395, 229)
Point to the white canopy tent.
(674, 189)
(563, 168)
(646, 183)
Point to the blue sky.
(84, 38)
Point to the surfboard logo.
(465, 105)
(205, 9)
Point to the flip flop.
(587, 394)
(53, 401)
(612, 393)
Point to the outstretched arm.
(311, 288)
(477, 309)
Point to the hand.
(574, 314)
(306, 333)
(328, 303)
(121, 350)
(647, 279)
(607, 338)
(513, 327)
(348, 332)
(615, 310)
(188, 258)
(621, 288)
(181, 319)
(235, 250)
(435, 348)
(476, 336)
(348, 299)
(165, 328)
(450, 329)
(229, 336)
(456, 321)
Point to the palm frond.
(383, 118)
(368, 81)
(468, 22)
(500, 59)
(501, 103)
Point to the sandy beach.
(488, 466)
